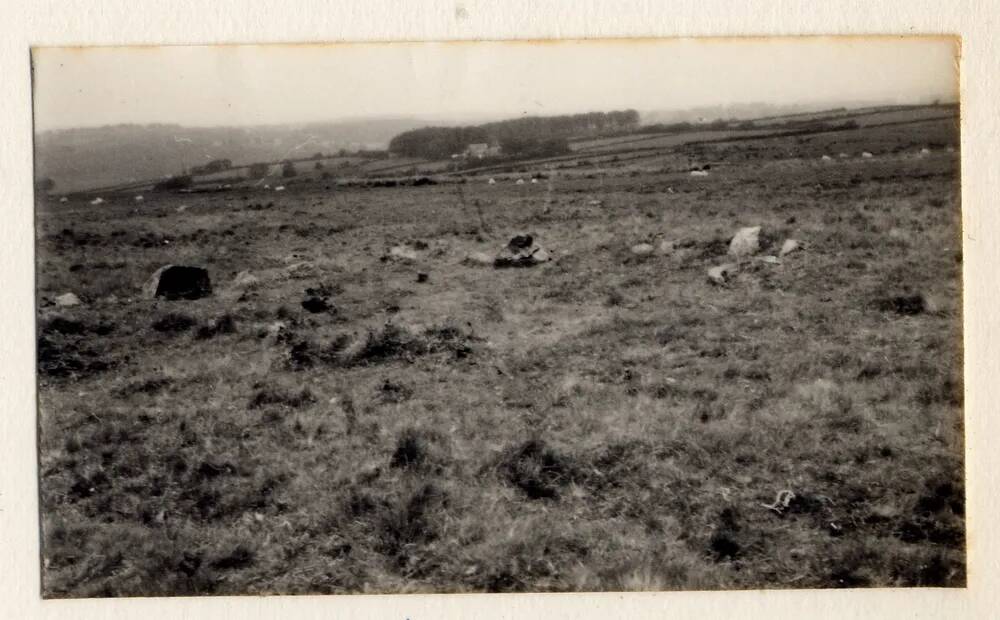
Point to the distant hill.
(743, 111)
(86, 158)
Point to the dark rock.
(521, 251)
(178, 282)
(520, 242)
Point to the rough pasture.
(327, 423)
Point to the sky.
(272, 84)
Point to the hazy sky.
(246, 85)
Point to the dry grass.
(594, 423)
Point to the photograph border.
(78, 22)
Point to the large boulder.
(746, 242)
(178, 282)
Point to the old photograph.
(547, 316)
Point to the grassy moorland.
(604, 421)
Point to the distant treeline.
(529, 136)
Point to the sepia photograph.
(603, 315)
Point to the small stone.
(789, 246)
(746, 242)
(67, 300)
(642, 249)
(402, 252)
(245, 280)
(721, 274)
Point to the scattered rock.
(925, 151)
(866, 155)
(667, 247)
(521, 251)
(279, 188)
(534, 180)
(139, 198)
(64, 199)
(245, 280)
(519, 182)
(721, 274)
(699, 173)
(789, 246)
(520, 242)
(642, 249)
(492, 181)
(595, 203)
(402, 252)
(842, 156)
(178, 282)
(770, 260)
(67, 300)
(826, 158)
(746, 242)
(182, 208)
(97, 201)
